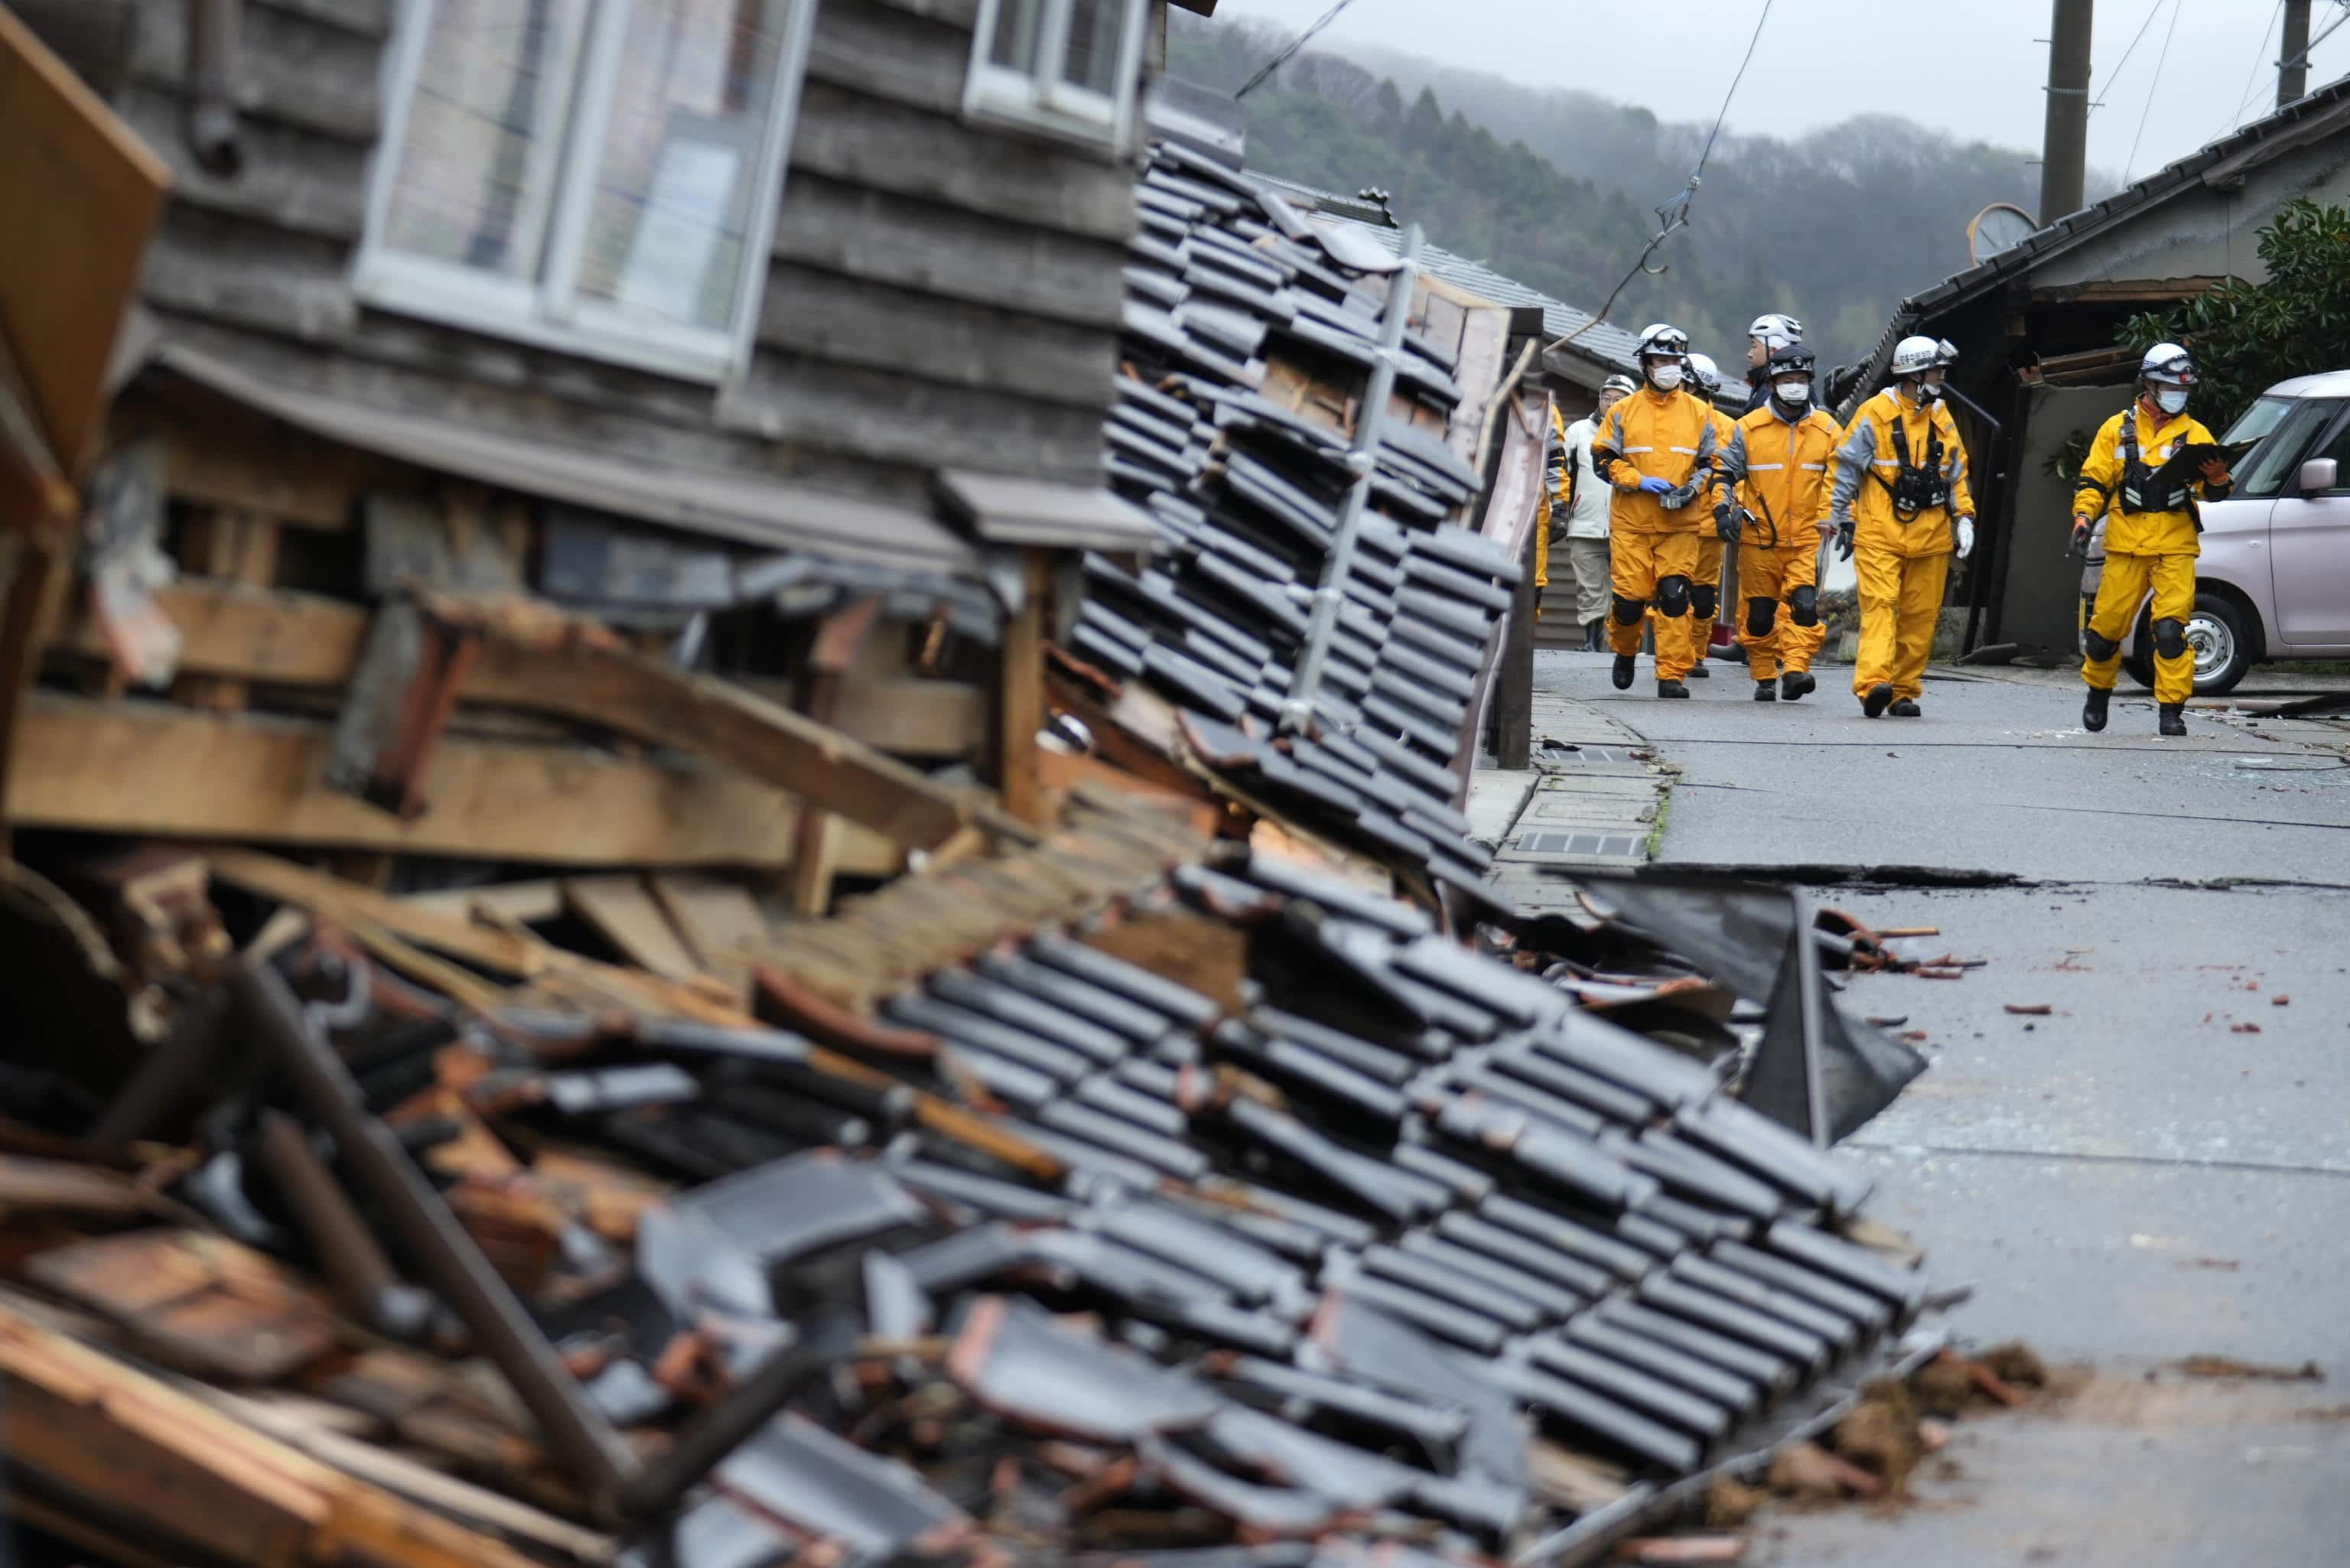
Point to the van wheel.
(2216, 634)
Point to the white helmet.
(1776, 331)
(1662, 337)
(1946, 353)
(1915, 356)
(2168, 364)
(1707, 373)
(1623, 384)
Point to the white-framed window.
(1067, 67)
(598, 176)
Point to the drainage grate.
(1615, 845)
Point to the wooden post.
(232, 546)
(819, 840)
(36, 583)
(1514, 681)
(1020, 698)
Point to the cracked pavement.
(2157, 1167)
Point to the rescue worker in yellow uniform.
(1705, 589)
(1772, 492)
(1654, 449)
(1901, 509)
(2150, 534)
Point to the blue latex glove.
(1652, 485)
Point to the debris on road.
(2227, 1366)
(2030, 1009)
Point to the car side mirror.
(2320, 474)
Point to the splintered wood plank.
(720, 921)
(154, 769)
(95, 190)
(625, 913)
(520, 902)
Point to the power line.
(1290, 53)
(2252, 76)
(1674, 213)
(2152, 92)
(2097, 98)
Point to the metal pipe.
(715, 1433)
(354, 1264)
(575, 1430)
(215, 35)
(1363, 457)
(2065, 140)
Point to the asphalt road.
(2159, 1167)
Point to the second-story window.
(595, 175)
(1067, 67)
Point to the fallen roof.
(2323, 113)
(1600, 342)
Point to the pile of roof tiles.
(1248, 496)
(1348, 1240)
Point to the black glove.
(1727, 523)
(1680, 495)
(1844, 540)
(2081, 537)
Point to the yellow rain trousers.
(2144, 550)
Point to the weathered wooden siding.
(940, 294)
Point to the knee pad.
(1804, 604)
(2098, 646)
(1705, 598)
(2169, 638)
(1672, 596)
(1760, 614)
(1629, 611)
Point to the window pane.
(477, 164)
(671, 206)
(1014, 46)
(1097, 41)
(2280, 451)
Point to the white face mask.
(1665, 376)
(2170, 399)
(1795, 394)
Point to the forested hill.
(1555, 188)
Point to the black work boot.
(2174, 718)
(2093, 710)
(1594, 636)
(1766, 691)
(1879, 698)
(1906, 708)
(1622, 674)
(1797, 683)
(1672, 688)
(1697, 671)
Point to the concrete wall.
(2207, 233)
(2038, 602)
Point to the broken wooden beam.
(559, 665)
(155, 770)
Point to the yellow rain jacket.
(1783, 474)
(1656, 435)
(1868, 460)
(2170, 532)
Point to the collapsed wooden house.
(778, 338)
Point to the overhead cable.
(1674, 213)
(1290, 52)
(2151, 93)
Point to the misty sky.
(1970, 68)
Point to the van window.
(2286, 437)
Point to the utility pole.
(2065, 144)
(2292, 64)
